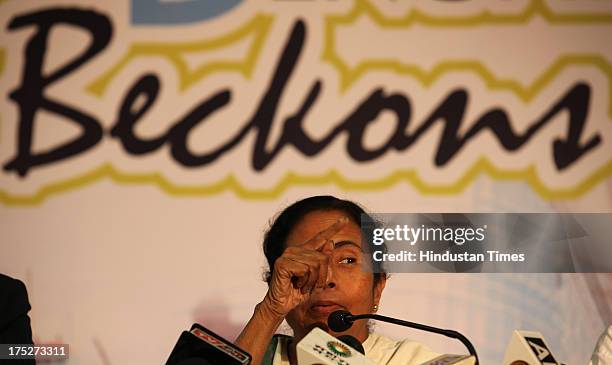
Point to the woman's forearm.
(256, 335)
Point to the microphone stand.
(447, 333)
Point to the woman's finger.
(287, 269)
(318, 260)
(323, 268)
(312, 262)
(313, 277)
(317, 242)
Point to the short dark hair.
(275, 238)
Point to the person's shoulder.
(603, 348)
(383, 350)
(13, 298)
(8, 285)
(7, 282)
(11, 287)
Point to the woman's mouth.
(325, 308)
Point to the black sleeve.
(14, 307)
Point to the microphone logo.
(339, 348)
(540, 350)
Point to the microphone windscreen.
(353, 342)
(201, 346)
(339, 321)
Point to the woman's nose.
(330, 281)
(328, 249)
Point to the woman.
(315, 255)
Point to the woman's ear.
(379, 286)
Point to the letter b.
(30, 94)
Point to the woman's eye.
(348, 260)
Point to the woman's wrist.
(256, 335)
(267, 310)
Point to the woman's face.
(349, 287)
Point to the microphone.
(340, 321)
(528, 347)
(201, 346)
(319, 347)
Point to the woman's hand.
(301, 270)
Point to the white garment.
(602, 355)
(379, 349)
